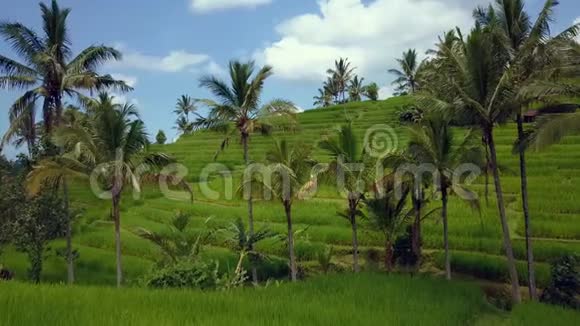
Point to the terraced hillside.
(554, 178)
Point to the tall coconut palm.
(113, 146)
(407, 80)
(47, 69)
(290, 172)
(431, 143)
(351, 169)
(341, 74)
(477, 79)
(183, 126)
(239, 104)
(355, 89)
(537, 64)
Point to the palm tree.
(114, 147)
(386, 214)
(323, 99)
(355, 89)
(183, 126)
(340, 76)
(185, 106)
(244, 242)
(407, 80)
(476, 82)
(350, 167)
(431, 143)
(371, 91)
(331, 90)
(47, 70)
(537, 64)
(291, 175)
(177, 244)
(239, 104)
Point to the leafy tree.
(238, 104)
(39, 221)
(115, 142)
(431, 142)
(48, 71)
(340, 75)
(355, 89)
(371, 91)
(160, 138)
(387, 215)
(565, 283)
(349, 165)
(407, 76)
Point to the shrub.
(564, 286)
(198, 275)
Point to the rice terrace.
(269, 162)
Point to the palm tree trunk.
(245, 137)
(388, 255)
(352, 217)
(117, 219)
(524, 186)
(485, 141)
(69, 251)
(416, 236)
(511, 263)
(288, 210)
(444, 200)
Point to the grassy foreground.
(365, 299)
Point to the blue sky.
(168, 45)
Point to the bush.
(564, 286)
(198, 275)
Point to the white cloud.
(205, 6)
(385, 92)
(175, 61)
(131, 81)
(371, 34)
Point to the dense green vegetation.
(94, 202)
(339, 300)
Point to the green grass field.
(366, 299)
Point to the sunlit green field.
(475, 237)
(366, 299)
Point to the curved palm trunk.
(485, 141)
(117, 219)
(511, 263)
(524, 187)
(352, 217)
(69, 251)
(444, 200)
(293, 270)
(245, 137)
